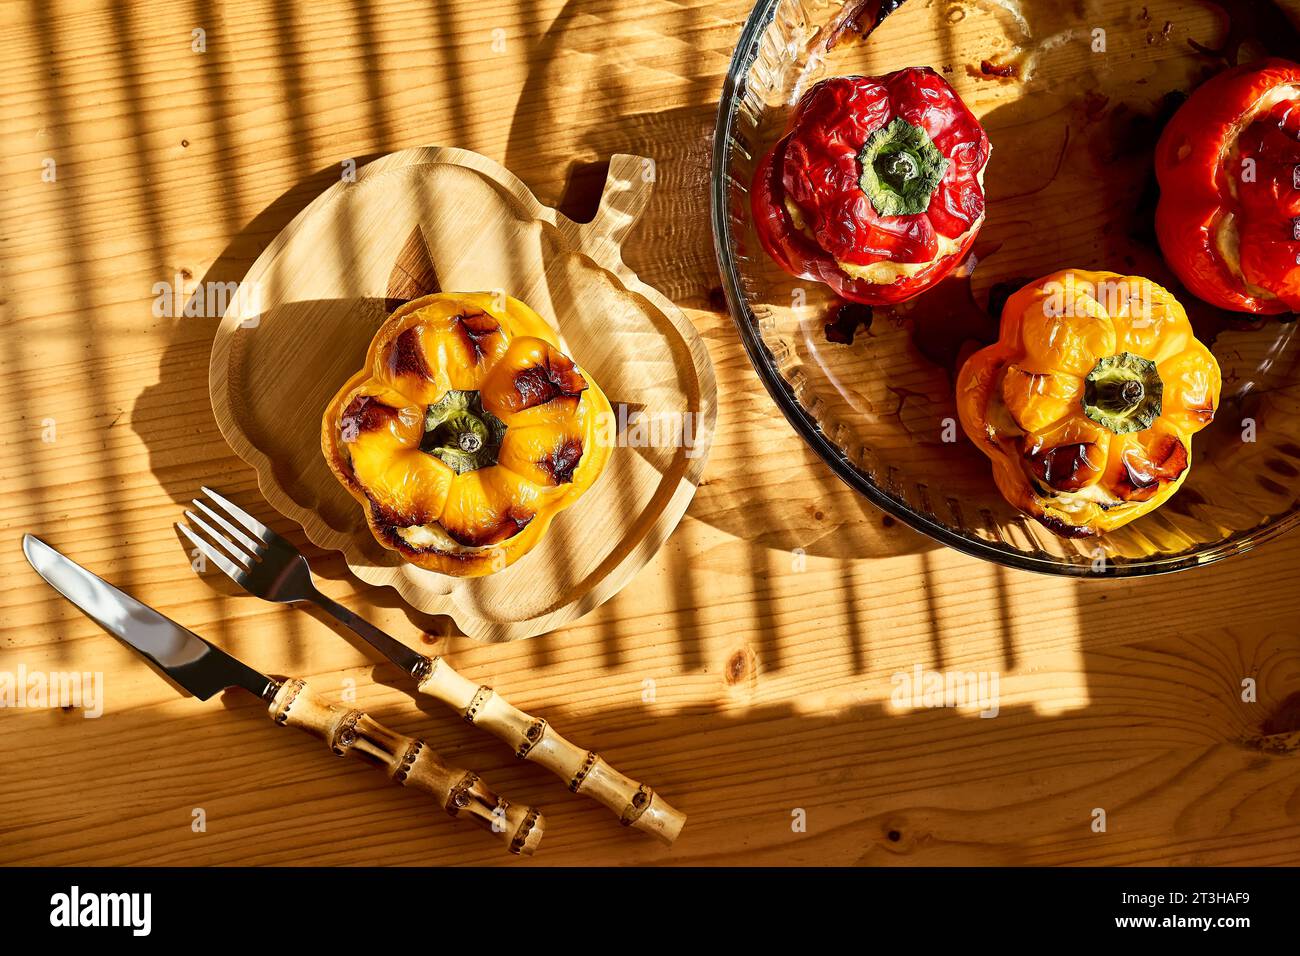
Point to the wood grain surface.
(750, 665)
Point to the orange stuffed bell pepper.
(1228, 164)
(1087, 403)
(466, 432)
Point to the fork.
(266, 565)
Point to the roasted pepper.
(1087, 403)
(1228, 165)
(877, 187)
(466, 432)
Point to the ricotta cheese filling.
(424, 536)
(1073, 502)
(886, 272)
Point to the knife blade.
(204, 669)
(201, 668)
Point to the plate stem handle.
(623, 198)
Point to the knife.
(204, 669)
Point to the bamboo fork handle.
(534, 739)
(408, 761)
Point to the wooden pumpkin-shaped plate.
(429, 219)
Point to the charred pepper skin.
(1228, 220)
(876, 189)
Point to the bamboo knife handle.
(585, 771)
(408, 761)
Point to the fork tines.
(245, 541)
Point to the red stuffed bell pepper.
(877, 187)
(1228, 165)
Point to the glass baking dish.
(1069, 184)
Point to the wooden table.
(747, 672)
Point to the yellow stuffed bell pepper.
(1087, 403)
(466, 432)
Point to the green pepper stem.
(1118, 397)
(461, 432)
(1123, 393)
(901, 169)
